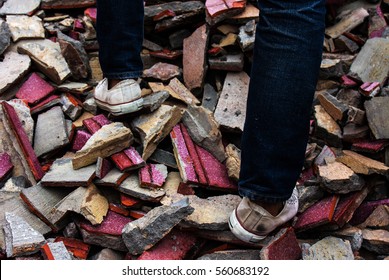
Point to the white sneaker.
(123, 98)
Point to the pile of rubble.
(78, 183)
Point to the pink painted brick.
(134, 156)
(195, 157)
(6, 166)
(152, 175)
(80, 139)
(365, 209)
(174, 246)
(128, 160)
(34, 89)
(187, 169)
(370, 146)
(284, 246)
(103, 167)
(91, 125)
(91, 13)
(112, 224)
(46, 103)
(348, 81)
(101, 119)
(216, 172)
(318, 214)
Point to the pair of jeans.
(287, 56)
(119, 29)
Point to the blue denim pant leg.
(120, 36)
(286, 62)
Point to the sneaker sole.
(121, 109)
(240, 232)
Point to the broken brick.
(128, 159)
(131, 186)
(55, 251)
(365, 209)
(80, 139)
(78, 248)
(129, 201)
(218, 10)
(361, 164)
(103, 166)
(6, 167)
(284, 246)
(153, 175)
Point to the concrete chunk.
(376, 241)
(19, 7)
(361, 164)
(5, 36)
(329, 248)
(144, 233)
(25, 27)
(108, 140)
(56, 251)
(377, 113)
(13, 67)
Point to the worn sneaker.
(123, 98)
(251, 223)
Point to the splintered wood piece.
(22, 138)
(181, 153)
(318, 214)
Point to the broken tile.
(34, 89)
(50, 132)
(230, 112)
(152, 175)
(178, 91)
(80, 140)
(128, 159)
(154, 127)
(23, 141)
(152, 227)
(103, 167)
(25, 27)
(327, 128)
(308, 196)
(283, 246)
(336, 177)
(174, 246)
(20, 237)
(377, 111)
(78, 248)
(50, 101)
(19, 7)
(211, 213)
(329, 248)
(361, 164)
(335, 108)
(61, 173)
(194, 59)
(86, 201)
(112, 179)
(55, 251)
(218, 10)
(376, 241)
(71, 106)
(48, 58)
(162, 71)
(5, 36)
(372, 62)
(318, 214)
(6, 167)
(13, 67)
(107, 141)
(42, 200)
(204, 130)
(131, 186)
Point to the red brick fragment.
(217, 7)
(46, 103)
(185, 189)
(78, 248)
(6, 166)
(194, 156)
(112, 224)
(129, 201)
(284, 246)
(74, 35)
(24, 143)
(164, 14)
(101, 119)
(34, 89)
(95, 123)
(78, 26)
(174, 246)
(365, 209)
(128, 159)
(80, 139)
(152, 176)
(306, 174)
(215, 171)
(215, 51)
(348, 81)
(91, 13)
(369, 146)
(167, 54)
(347, 205)
(46, 251)
(370, 88)
(119, 209)
(136, 214)
(318, 214)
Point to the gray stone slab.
(19, 7)
(58, 251)
(13, 67)
(25, 27)
(5, 36)
(131, 186)
(50, 132)
(377, 113)
(329, 248)
(230, 112)
(62, 174)
(210, 97)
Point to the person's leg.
(120, 36)
(286, 62)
